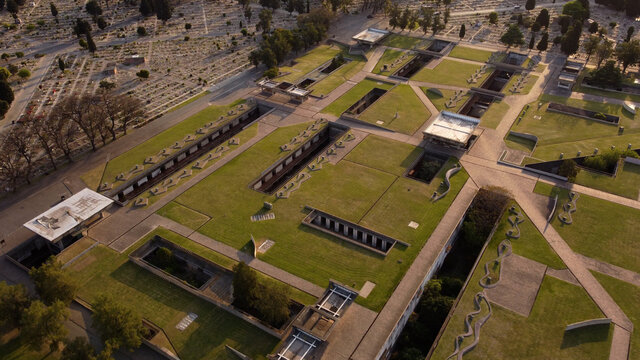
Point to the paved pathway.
(612, 270)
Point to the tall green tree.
(426, 19)
(119, 325)
(543, 44)
(6, 93)
(628, 54)
(54, 10)
(591, 45)
(513, 36)
(604, 51)
(13, 301)
(93, 8)
(146, 7)
(543, 18)
(493, 17)
(264, 22)
(163, 9)
(571, 40)
(42, 324)
(576, 10)
(462, 31)
(630, 32)
(530, 5)
(53, 283)
(532, 42)
(90, 43)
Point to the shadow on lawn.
(588, 334)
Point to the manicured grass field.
(104, 271)
(531, 81)
(349, 190)
(627, 296)
(450, 72)
(125, 162)
(75, 249)
(508, 335)
(440, 101)
(626, 183)
(400, 110)
(388, 58)
(381, 154)
(519, 143)
(92, 177)
(401, 41)
(559, 133)
(601, 229)
(354, 94)
(185, 216)
(344, 73)
(494, 115)
(308, 62)
(463, 52)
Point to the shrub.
(271, 73)
(600, 116)
(143, 74)
(186, 38)
(24, 73)
(142, 31)
(83, 43)
(19, 54)
(569, 169)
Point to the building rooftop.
(370, 35)
(63, 217)
(452, 126)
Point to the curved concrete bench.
(475, 330)
(447, 177)
(569, 208)
(587, 323)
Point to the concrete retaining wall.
(586, 323)
(631, 160)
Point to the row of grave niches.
(365, 101)
(497, 80)
(284, 169)
(413, 66)
(351, 232)
(188, 154)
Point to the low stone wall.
(586, 323)
(631, 160)
(582, 113)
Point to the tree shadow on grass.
(584, 335)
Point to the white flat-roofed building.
(70, 215)
(370, 36)
(451, 129)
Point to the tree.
(143, 74)
(493, 17)
(163, 9)
(544, 42)
(53, 282)
(565, 22)
(244, 284)
(248, 13)
(264, 22)
(267, 301)
(61, 130)
(244, 3)
(462, 31)
(6, 93)
(404, 19)
(4, 74)
(11, 167)
(12, 7)
(427, 18)
(42, 324)
(604, 51)
(131, 111)
(576, 10)
(93, 8)
(394, 16)
(630, 32)
(608, 76)
(569, 169)
(187, 26)
(20, 141)
(102, 23)
(141, 31)
(571, 40)
(447, 14)
(78, 349)
(146, 7)
(628, 54)
(82, 27)
(24, 73)
(91, 45)
(61, 64)
(118, 325)
(42, 135)
(591, 45)
(532, 42)
(536, 27)
(54, 10)
(513, 36)
(530, 5)
(593, 28)
(291, 6)
(543, 18)
(13, 301)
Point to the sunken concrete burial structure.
(321, 72)
(218, 133)
(348, 231)
(60, 226)
(413, 66)
(307, 337)
(452, 130)
(569, 74)
(435, 47)
(134, 60)
(285, 168)
(295, 93)
(369, 37)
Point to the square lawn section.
(400, 109)
(626, 182)
(354, 191)
(354, 94)
(388, 58)
(440, 101)
(451, 72)
(311, 60)
(104, 271)
(402, 42)
(126, 161)
(601, 229)
(627, 296)
(463, 52)
(559, 133)
(508, 335)
(339, 76)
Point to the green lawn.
(92, 177)
(388, 58)
(357, 193)
(75, 249)
(519, 143)
(189, 101)
(559, 133)
(382, 154)
(463, 52)
(185, 216)
(308, 62)
(531, 81)
(440, 101)
(494, 115)
(626, 183)
(451, 72)
(104, 271)
(401, 41)
(627, 296)
(125, 162)
(399, 110)
(508, 335)
(602, 230)
(344, 73)
(349, 98)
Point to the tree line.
(54, 136)
(40, 320)
(630, 7)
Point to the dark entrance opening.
(413, 66)
(366, 101)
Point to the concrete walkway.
(373, 59)
(614, 271)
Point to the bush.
(143, 74)
(608, 159)
(186, 38)
(163, 258)
(569, 169)
(600, 116)
(19, 54)
(271, 73)
(24, 73)
(142, 31)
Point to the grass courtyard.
(626, 182)
(309, 61)
(467, 53)
(103, 270)
(401, 41)
(541, 335)
(451, 72)
(365, 187)
(494, 115)
(601, 229)
(531, 81)
(345, 72)
(399, 110)
(388, 58)
(440, 101)
(559, 133)
(354, 94)
(126, 161)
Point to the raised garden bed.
(588, 114)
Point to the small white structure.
(451, 129)
(82, 208)
(569, 74)
(370, 36)
(630, 107)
